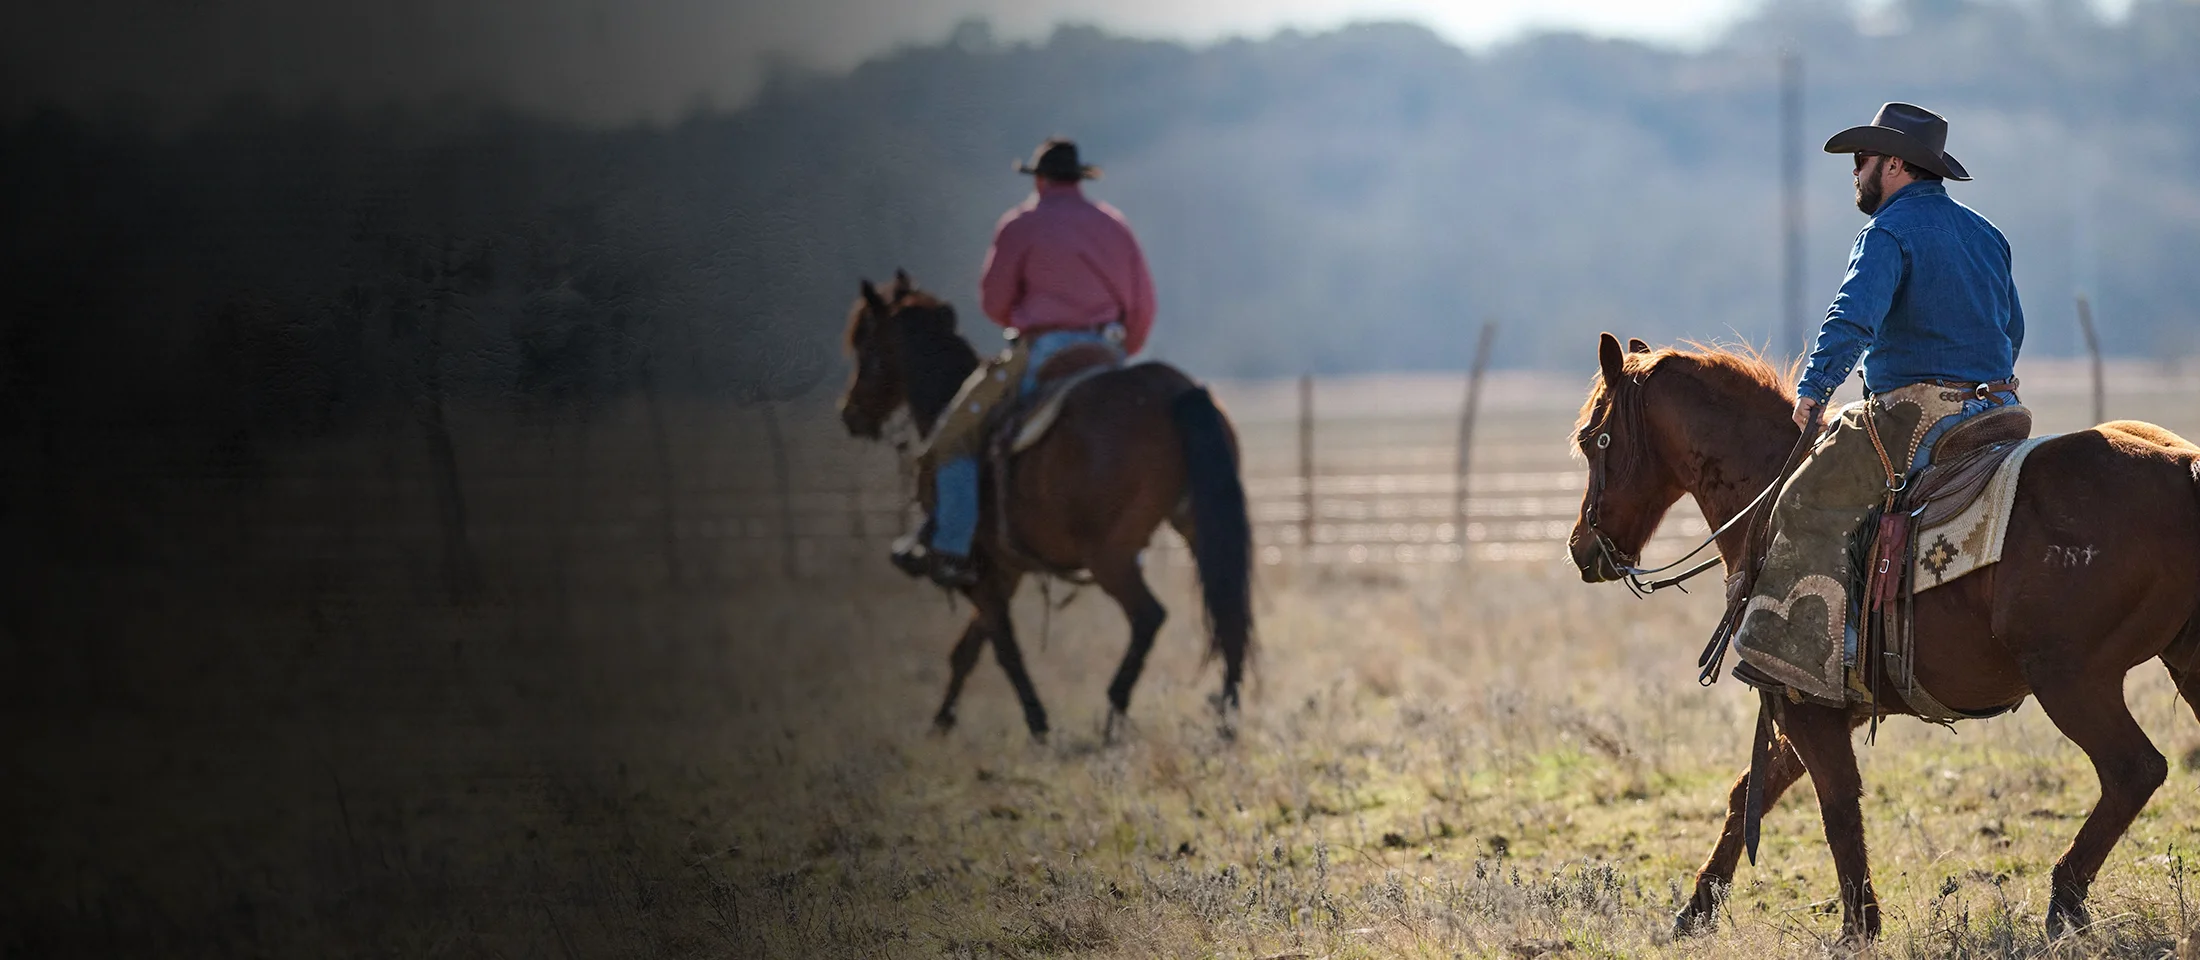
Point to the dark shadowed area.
(392, 444)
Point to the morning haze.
(1354, 200)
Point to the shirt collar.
(1917, 188)
(1053, 191)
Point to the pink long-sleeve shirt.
(1060, 260)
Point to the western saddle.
(1958, 469)
(1020, 423)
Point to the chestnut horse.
(1131, 448)
(1716, 426)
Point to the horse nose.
(1595, 567)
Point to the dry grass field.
(260, 758)
(1482, 762)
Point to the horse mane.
(1738, 369)
(935, 358)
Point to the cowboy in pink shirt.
(1063, 270)
(1061, 261)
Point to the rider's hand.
(1806, 412)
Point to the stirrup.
(949, 570)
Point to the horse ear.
(902, 286)
(1611, 359)
(871, 297)
(1636, 345)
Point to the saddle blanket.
(1972, 540)
(1034, 425)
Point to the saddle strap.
(1760, 766)
(1886, 463)
(1889, 547)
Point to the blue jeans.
(955, 518)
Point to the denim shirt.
(1928, 293)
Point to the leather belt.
(1973, 387)
(1020, 333)
(1996, 386)
(1112, 331)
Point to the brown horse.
(1132, 447)
(1715, 425)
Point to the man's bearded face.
(1871, 184)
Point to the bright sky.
(621, 60)
(1475, 23)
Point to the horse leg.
(1717, 875)
(2094, 716)
(1120, 577)
(1821, 736)
(2183, 660)
(964, 657)
(992, 597)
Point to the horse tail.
(1222, 529)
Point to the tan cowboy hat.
(1907, 131)
(1056, 159)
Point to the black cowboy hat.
(1907, 131)
(1056, 159)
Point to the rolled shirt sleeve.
(1875, 271)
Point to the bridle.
(1633, 576)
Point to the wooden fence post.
(781, 475)
(1466, 436)
(2093, 347)
(1306, 463)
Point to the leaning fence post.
(2093, 347)
(1306, 464)
(1466, 436)
(781, 475)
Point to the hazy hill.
(1351, 201)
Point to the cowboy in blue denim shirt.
(1928, 290)
(1929, 296)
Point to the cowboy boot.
(910, 555)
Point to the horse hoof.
(2065, 919)
(1114, 727)
(943, 724)
(1226, 711)
(1691, 923)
